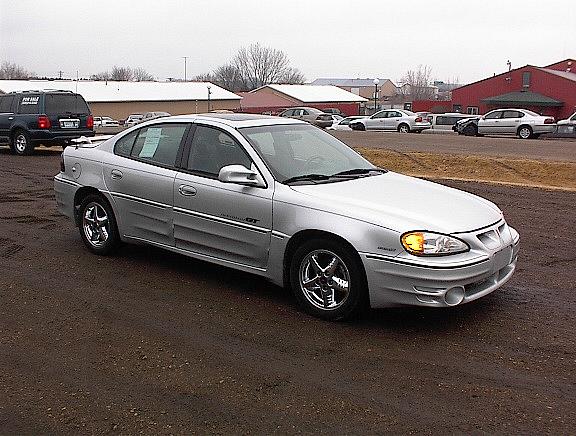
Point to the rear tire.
(524, 132)
(328, 280)
(403, 128)
(97, 224)
(21, 144)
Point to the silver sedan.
(287, 201)
(398, 120)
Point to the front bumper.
(439, 282)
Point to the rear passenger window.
(6, 103)
(159, 143)
(29, 104)
(124, 145)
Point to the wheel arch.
(79, 197)
(521, 126)
(403, 123)
(305, 235)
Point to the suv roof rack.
(40, 90)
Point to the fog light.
(454, 296)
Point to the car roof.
(237, 120)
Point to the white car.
(132, 120)
(105, 122)
(522, 122)
(400, 120)
(344, 123)
(570, 120)
(285, 200)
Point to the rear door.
(67, 111)
(6, 116)
(510, 122)
(392, 120)
(140, 179)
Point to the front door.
(490, 123)
(221, 220)
(140, 180)
(376, 121)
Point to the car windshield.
(296, 151)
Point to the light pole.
(376, 82)
(209, 92)
(185, 62)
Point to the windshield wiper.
(357, 171)
(305, 177)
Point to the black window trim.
(177, 165)
(188, 147)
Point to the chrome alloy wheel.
(20, 143)
(324, 279)
(96, 224)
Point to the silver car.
(524, 123)
(287, 201)
(402, 121)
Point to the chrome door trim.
(222, 220)
(140, 200)
(197, 255)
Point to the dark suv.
(29, 118)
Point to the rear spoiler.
(93, 141)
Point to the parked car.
(344, 124)
(570, 120)
(153, 115)
(334, 111)
(287, 201)
(401, 120)
(521, 122)
(30, 118)
(105, 122)
(133, 119)
(445, 121)
(309, 114)
(336, 118)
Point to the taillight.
(549, 121)
(89, 121)
(418, 119)
(62, 166)
(43, 122)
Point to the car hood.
(402, 203)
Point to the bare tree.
(260, 66)
(101, 76)
(229, 77)
(11, 71)
(416, 83)
(206, 77)
(122, 74)
(141, 75)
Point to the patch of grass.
(543, 174)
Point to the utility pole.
(185, 62)
(60, 74)
(209, 92)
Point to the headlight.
(423, 243)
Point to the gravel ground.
(149, 341)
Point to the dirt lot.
(152, 342)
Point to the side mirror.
(240, 175)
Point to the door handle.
(186, 190)
(116, 174)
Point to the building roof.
(522, 98)
(108, 91)
(349, 83)
(566, 74)
(316, 93)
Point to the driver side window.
(493, 115)
(213, 149)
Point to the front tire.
(328, 280)
(358, 126)
(525, 132)
(470, 130)
(97, 224)
(21, 144)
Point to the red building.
(549, 90)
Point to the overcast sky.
(462, 39)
